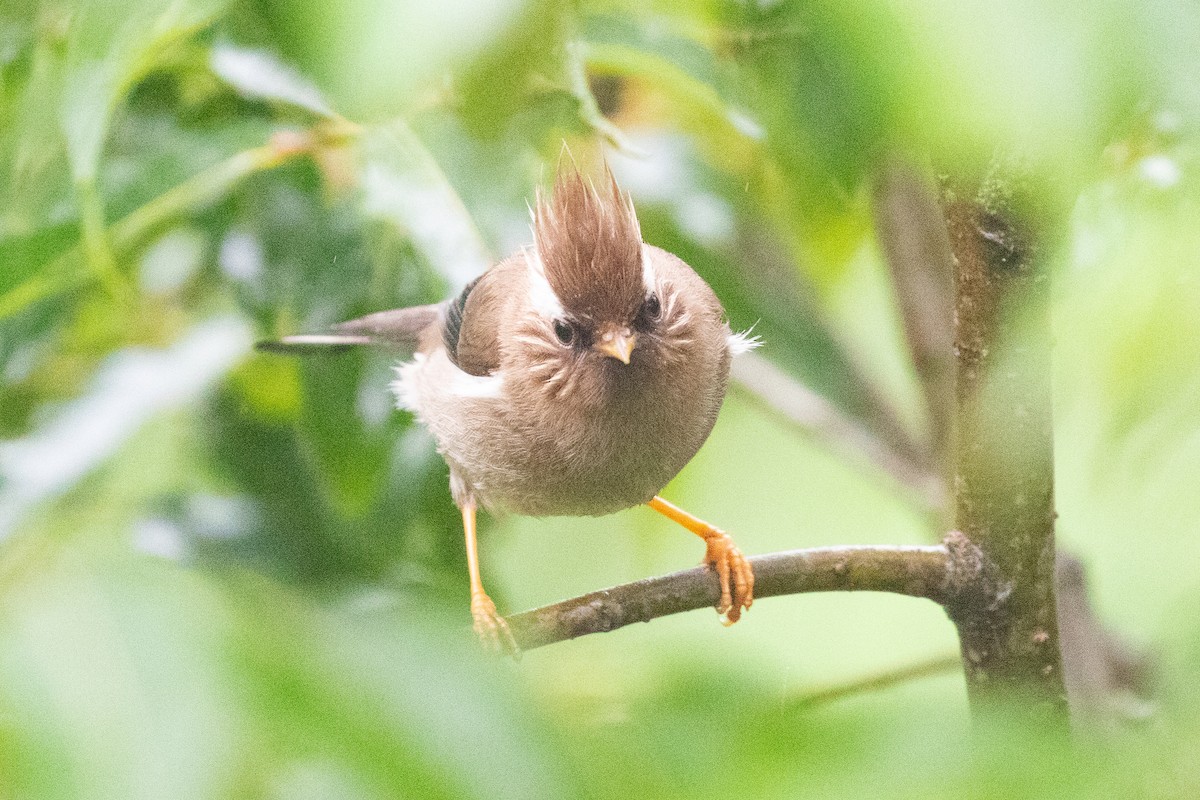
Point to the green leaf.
(63, 274)
(110, 46)
(34, 176)
(373, 57)
(403, 187)
(260, 74)
(133, 387)
(136, 678)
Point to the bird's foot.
(734, 572)
(491, 628)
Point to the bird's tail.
(400, 328)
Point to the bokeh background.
(228, 574)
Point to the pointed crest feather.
(590, 246)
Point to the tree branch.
(916, 247)
(770, 387)
(919, 571)
(1109, 683)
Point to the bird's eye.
(564, 331)
(652, 306)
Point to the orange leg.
(733, 570)
(490, 627)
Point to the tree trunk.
(1003, 464)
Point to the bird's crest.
(590, 246)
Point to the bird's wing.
(472, 325)
(402, 328)
(468, 325)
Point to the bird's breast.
(627, 431)
(521, 444)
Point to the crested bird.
(575, 377)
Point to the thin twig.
(1108, 681)
(133, 231)
(870, 683)
(775, 390)
(789, 305)
(918, 571)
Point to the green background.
(229, 574)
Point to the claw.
(491, 628)
(734, 572)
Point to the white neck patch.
(648, 276)
(541, 296)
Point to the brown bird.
(576, 377)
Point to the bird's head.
(592, 279)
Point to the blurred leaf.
(827, 81)
(589, 108)
(751, 137)
(1047, 80)
(134, 386)
(1128, 217)
(109, 47)
(499, 81)
(372, 56)
(683, 69)
(661, 47)
(242, 689)
(410, 689)
(24, 255)
(62, 273)
(69, 631)
(403, 187)
(107, 51)
(295, 533)
(353, 455)
(34, 177)
(259, 74)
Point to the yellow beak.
(617, 343)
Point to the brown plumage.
(576, 377)
(591, 247)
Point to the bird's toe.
(491, 628)
(734, 573)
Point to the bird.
(576, 377)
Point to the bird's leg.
(490, 627)
(733, 570)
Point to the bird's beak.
(617, 343)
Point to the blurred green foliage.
(232, 575)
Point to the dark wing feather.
(455, 309)
(472, 329)
(468, 325)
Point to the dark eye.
(564, 331)
(652, 307)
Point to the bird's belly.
(549, 471)
(592, 480)
(570, 462)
